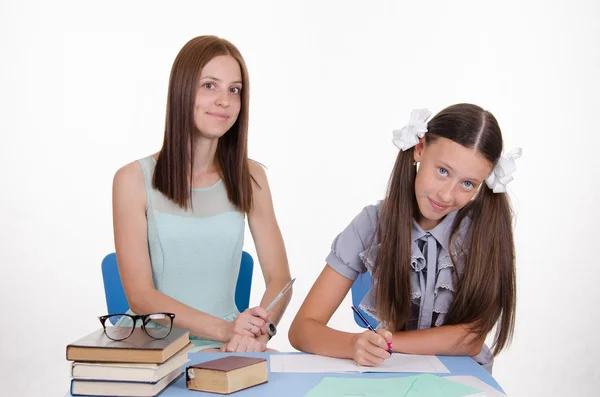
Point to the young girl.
(179, 214)
(439, 248)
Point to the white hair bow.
(416, 128)
(502, 173)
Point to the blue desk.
(298, 384)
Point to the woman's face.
(218, 96)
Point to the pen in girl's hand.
(364, 320)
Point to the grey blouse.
(354, 251)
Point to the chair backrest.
(360, 287)
(244, 282)
(116, 300)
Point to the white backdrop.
(83, 92)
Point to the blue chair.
(244, 282)
(360, 287)
(116, 301)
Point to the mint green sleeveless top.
(195, 253)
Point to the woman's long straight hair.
(172, 174)
(486, 292)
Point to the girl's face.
(218, 96)
(449, 175)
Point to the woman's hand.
(243, 343)
(370, 348)
(252, 322)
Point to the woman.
(179, 214)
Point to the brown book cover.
(227, 375)
(138, 348)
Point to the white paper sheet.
(476, 383)
(320, 364)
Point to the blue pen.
(364, 320)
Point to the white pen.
(281, 294)
(271, 328)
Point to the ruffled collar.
(446, 273)
(441, 232)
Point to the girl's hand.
(243, 343)
(251, 322)
(370, 348)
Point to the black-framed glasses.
(159, 329)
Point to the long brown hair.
(486, 293)
(175, 162)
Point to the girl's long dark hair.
(486, 293)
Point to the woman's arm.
(131, 243)
(269, 244)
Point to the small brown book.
(227, 375)
(138, 348)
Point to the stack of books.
(137, 366)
